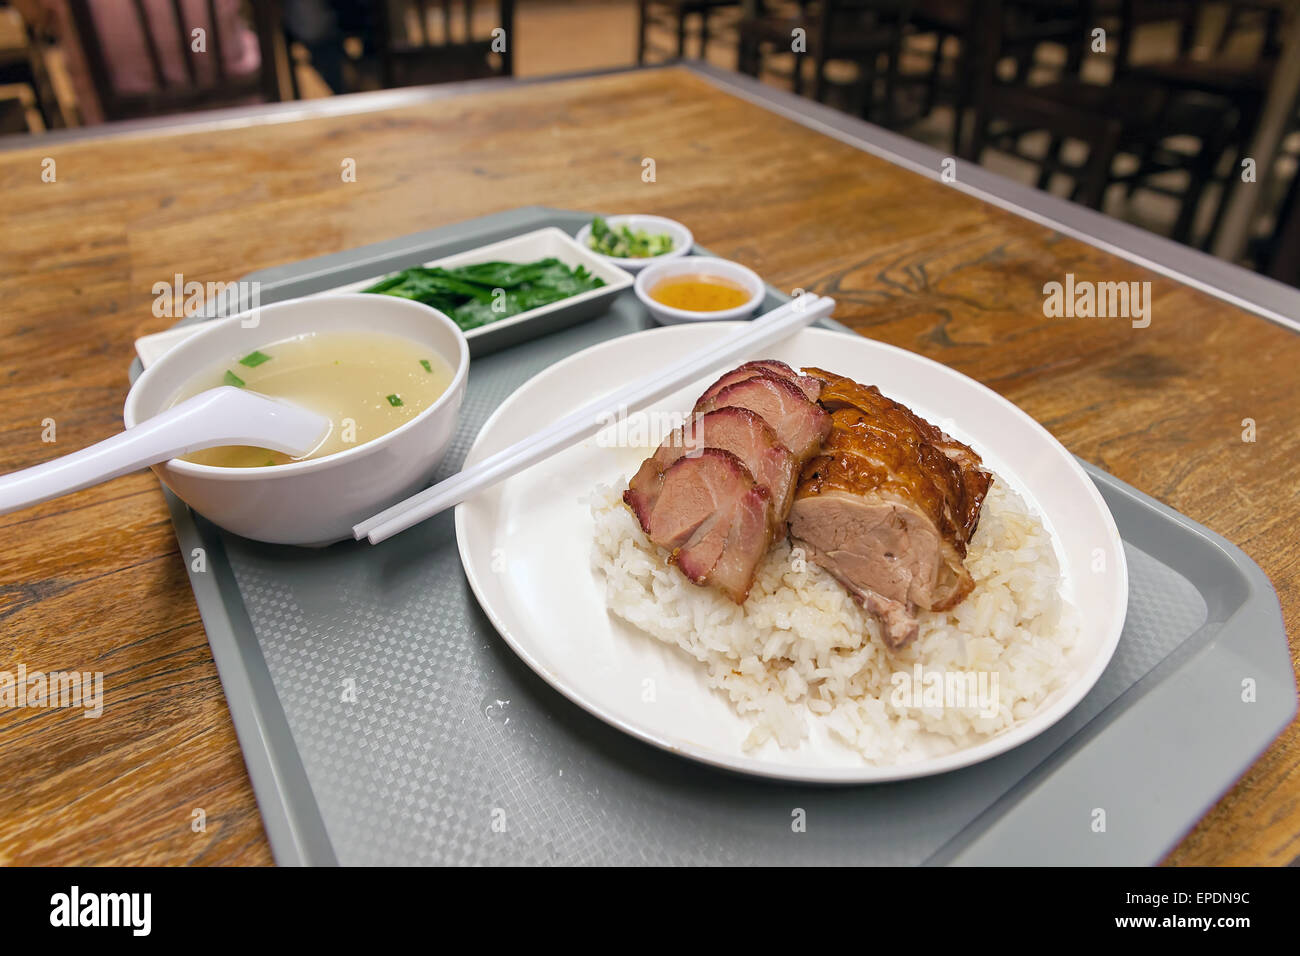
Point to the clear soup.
(365, 383)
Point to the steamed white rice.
(800, 650)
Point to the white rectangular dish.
(549, 242)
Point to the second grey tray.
(384, 721)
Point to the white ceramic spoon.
(219, 416)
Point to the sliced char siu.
(799, 424)
(810, 386)
(717, 491)
(737, 430)
(713, 518)
(889, 506)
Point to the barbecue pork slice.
(810, 386)
(717, 492)
(713, 518)
(737, 430)
(800, 425)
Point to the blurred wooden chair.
(867, 33)
(1277, 254)
(23, 73)
(1102, 131)
(1122, 19)
(424, 41)
(1211, 72)
(1263, 15)
(1187, 16)
(673, 16)
(206, 83)
(1132, 115)
(1023, 27)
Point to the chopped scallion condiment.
(394, 400)
(428, 367)
(230, 378)
(254, 359)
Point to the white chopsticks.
(586, 421)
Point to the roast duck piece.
(873, 493)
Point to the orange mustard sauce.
(699, 293)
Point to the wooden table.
(94, 581)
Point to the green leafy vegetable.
(427, 366)
(395, 401)
(230, 378)
(623, 243)
(488, 291)
(254, 359)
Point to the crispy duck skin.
(889, 506)
(943, 475)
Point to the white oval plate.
(526, 547)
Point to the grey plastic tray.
(452, 751)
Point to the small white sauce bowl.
(734, 272)
(315, 502)
(681, 236)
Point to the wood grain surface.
(94, 582)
